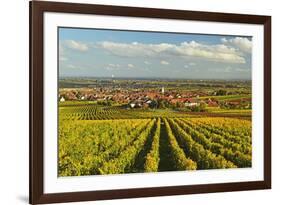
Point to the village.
(159, 98)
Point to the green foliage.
(238, 158)
(200, 108)
(240, 144)
(92, 141)
(205, 159)
(180, 160)
(127, 157)
(221, 92)
(105, 103)
(85, 145)
(152, 158)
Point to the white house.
(148, 102)
(132, 105)
(62, 99)
(191, 103)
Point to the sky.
(136, 54)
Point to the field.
(99, 139)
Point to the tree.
(221, 92)
(161, 105)
(199, 108)
(179, 105)
(153, 104)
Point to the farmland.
(90, 147)
(123, 126)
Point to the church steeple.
(163, 90)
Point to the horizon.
(154, 78)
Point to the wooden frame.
(37, 9)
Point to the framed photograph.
(138, 102)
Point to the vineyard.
(99, 140)
(95, 112)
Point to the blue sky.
(106, 53)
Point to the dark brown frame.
(37, 9)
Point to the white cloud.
(243, 44)
(113, 65)
(186, 50)
(189, 65)
(109, 68)
(134, 49)
(61, 53)
(147, 62)
(229, 69)
(75, 45)
(71, 66)
(130, 65)
(164, 62)
(217, 53)
(243, 70)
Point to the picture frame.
(37, 194)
